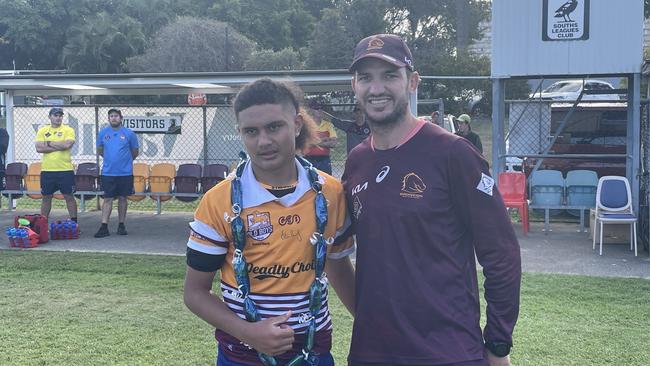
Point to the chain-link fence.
(542, 134)
(199, 134)
(202, 135)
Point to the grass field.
(103, 309)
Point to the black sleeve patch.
(204, 262)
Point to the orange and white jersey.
(278, 251)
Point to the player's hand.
(270, 336)
(497, 361)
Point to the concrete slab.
(164, 234)
(564, 250)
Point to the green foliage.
(102, 44)
(332, 46)
(105, 36)
(193, 45)
(364, 17)
(273, 24)
(33, 33)
(268, 60)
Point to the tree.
(331, 46)
(33, 33)
(273, 24)
(193, 45)
(102, 44)
(364, 17)
(268, 60)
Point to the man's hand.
(497, 361)
(61, 145)
(270, 336)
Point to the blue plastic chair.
(581, 188)
(614, 206)
(547, 189)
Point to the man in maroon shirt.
(424, 207)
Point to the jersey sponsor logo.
(278, 270)
(259, 225)
(382, 174)
(356, 207)
(289, 220)
(359, 188)
(412, 186)
(486, 184)
(291, 234)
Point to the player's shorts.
(117, 186)
(62, 181)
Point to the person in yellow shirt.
(319, 155)
(272, 228)
(54, 141)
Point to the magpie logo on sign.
(565, 20)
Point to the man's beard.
(391, 119)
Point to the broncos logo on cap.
(413, 184)
(375, 44)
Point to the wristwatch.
(499, 349)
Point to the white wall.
(615, 43)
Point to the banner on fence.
(153, 124)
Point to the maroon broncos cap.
(386, 47)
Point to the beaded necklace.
(317, 239)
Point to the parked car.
(593, 129)
(567, 90)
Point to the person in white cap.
(465, 130)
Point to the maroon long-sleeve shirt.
(420, 212)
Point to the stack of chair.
(161, 181)
(512, 186)
(14, 179)
(140, 181)
(33, 180)
(187, 182)
(212, 175)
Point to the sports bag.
(38, 223)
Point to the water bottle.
(59, 230)
(19, 238)
(74, 230)
(66, 230)
(24, 237)
(11, 239)
(52, 231)
(15, 233)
